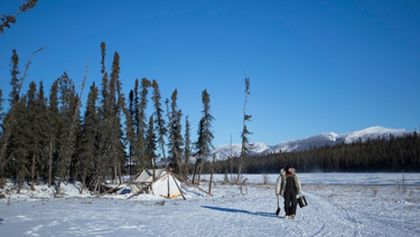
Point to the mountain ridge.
(324, 139)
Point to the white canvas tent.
(165, 184)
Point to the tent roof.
(146, 176)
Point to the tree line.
(381, 154)
(46, 138)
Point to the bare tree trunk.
(200, 169)
(195, 171)
(50, 165)
(83, 182)
(120, 174)
(33, 172)
(238, 177)
(115, 172)
(154, 169)
(231, 169)
(211, 175)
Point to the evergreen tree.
(41, 118)
(34, 150)
(245, 132)
(1, 114)
(151, 144)
(205, 136)
(175, 137)
(18, 149)
(141, 123)
(89, 138)
(136, 105)
(159, 117)
(68, 102)
(187, 147)
(53, 130)
(14, 82)
(131, 120)
(10, 123)
(117, 147)
(105, 123)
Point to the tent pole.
(182, 194)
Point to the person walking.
(278, 188)
(290, 188)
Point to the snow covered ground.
(339, 205)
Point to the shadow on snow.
(231, 210)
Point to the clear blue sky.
(315, 66)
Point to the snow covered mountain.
(224, 151)
(324, 139)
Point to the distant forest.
(382, 154)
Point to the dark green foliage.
(68, 102)
(150, 144)
(175, 136)
(393, 154)
(205, 136)
(142, 160)
(18, 149)
(53, 129)
(14, 82)
(89, 139)
(187, 147)
(159, 117)
(1, 113)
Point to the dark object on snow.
(125, 191)
(278, 211)
(302, 201)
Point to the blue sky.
(315, 66)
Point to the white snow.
(225, 151)
(340, 204)
(373, 133)
(324, 139)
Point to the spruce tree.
(10, 122)
(150, 144)
(18, 150)
(53, 130)
(42, 117)
(14, 82)
(161, 127)
(89, 138)
(114, 116)
(105, 123)
(187, 147)
(130, 134)
(1, 114)
(131, 139)
(175, 136)
(205, 136)
(245, 132)
(68, 102)
(141, 123)
(34, 150)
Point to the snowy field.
(340, 204)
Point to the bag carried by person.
(278, 207)
(302, 201)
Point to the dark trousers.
(290, 203)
